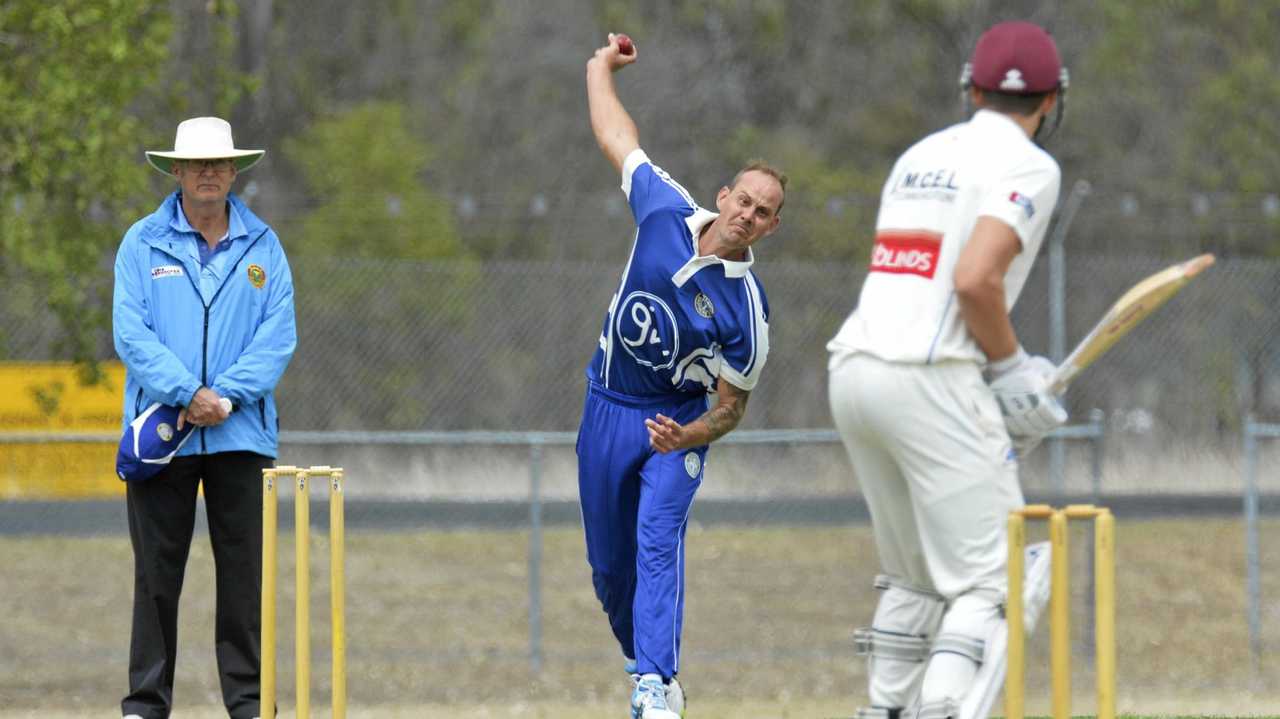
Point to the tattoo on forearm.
(722, 418)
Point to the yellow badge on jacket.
(257, 276)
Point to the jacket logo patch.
(906, 252)
(166, 271)
(257, 276)
(703, 305)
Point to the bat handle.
(1062, 377)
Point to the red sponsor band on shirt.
(906, 252)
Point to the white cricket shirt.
(907, 311)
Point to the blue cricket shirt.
(678, 320)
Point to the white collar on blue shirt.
(732, 268)
(235, 223)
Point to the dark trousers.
(162, 512)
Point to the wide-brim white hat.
(203, 138)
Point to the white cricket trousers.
(934, 462)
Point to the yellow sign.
(53, 398)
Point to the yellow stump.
(1060, 608)
(268, 666)
(1060, 613)
(1015, 679)
(1105, 606)
(337, 582)
(302, 580)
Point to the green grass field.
(438, 626)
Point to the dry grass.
(438, 625)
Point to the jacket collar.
(168, 218)
(235, 224)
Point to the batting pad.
(1035, 597)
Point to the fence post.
(1096, 418)
(1252, 561)
(535, 554)
(1058, 312)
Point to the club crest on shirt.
(164, 431)
(692, 464)
(703, 305)
(257, 276)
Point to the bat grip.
(1062, 377)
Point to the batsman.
(688, 319)
(932, 393)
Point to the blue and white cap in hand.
(150, 442)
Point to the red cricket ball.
(625, 46)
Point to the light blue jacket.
(228, 325)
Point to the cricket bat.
(1132, 308)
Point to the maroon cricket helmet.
(1017, 58)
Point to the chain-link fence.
(411, 348)
(396, 346)
(386, 345)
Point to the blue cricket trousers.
(635, 509)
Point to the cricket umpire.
(929, 388)
(203, 311)
(688, 319)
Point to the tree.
(70, 173)
(366, 166)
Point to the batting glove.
(1021, 387)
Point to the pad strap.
(891, 645)
(878, 713)
(941, 709)
(969, 647)
(884, 582)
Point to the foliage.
(821, 220)
(210, 40)
(485, 145)
(1200, 127)
(87, 84)
(70, 174)
(1231, 143)
(365, 165)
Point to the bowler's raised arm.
(614, 129)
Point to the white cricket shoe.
(675, 690)
(649, 700)
(675, 697)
